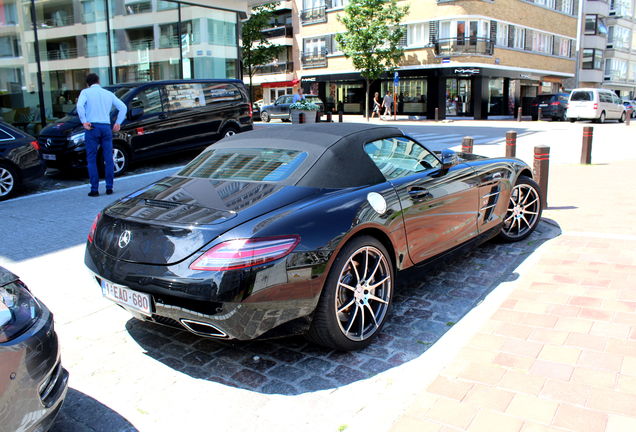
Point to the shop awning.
(281, 84)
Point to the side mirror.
(449, 159)
(135, 113)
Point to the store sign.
(311, 79)
(467, 71)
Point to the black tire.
(572, 120)
(524, 210)
(265, 117)
(601, 118)
(623, 116)
(337, 322)
(121, 159)
(9, 182)
(535, 118)
(229, 131)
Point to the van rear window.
(582, 96)
(254, 164)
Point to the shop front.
(461, 91)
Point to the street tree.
(372, 39)
(256, 49)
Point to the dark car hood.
(63, 127)
(6, 276)
(173, 218)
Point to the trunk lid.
(170, 220)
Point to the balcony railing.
(141, 44)
(282, 31)
(61, 54)
(59, 20)
(314, 59)
(314, 15)
(168, 41)
(269, 69)
(464, 46)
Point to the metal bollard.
(329, 117)
(519, 114)
(511, 144)
(629, 117)
(301, 118)
(467, 144)
(542, 170)
(586, 150)
(340, 116)
(539, 113)
(436, 114)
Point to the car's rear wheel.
(601, 119)
(120, 159)
(524, 210)
(356, 298)
(572, 119)
(623, 116)
(265, 117)
(8, 182)
(229, 131)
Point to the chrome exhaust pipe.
(203, 329)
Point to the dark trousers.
(99, 137)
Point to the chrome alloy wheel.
(7, 182)
(363, 293)
(523, 211)
(119, 160)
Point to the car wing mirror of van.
(135, 113)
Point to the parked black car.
(280, 108)
(33, 383)
(552, 106)
(272, 232)
(19, 159)
(163, 117)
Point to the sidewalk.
(560, 352)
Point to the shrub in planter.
(305, 107)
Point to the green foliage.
(304, 105)
(373, 35)
(256, 49)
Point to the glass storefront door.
(459, 97)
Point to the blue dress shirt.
(94, 105)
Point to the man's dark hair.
(91, 79)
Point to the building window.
(516, 37)
(9, 46)
(616, 69)
(561, 47)
(541, 42)
(592, 58)
(595, 25)
(8, 14)
(567, 6)
(502, 34)
(621, 8)
(417, 34)
(619, 37)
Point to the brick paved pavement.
(559, 354)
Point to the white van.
(595, 104)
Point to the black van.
(163, 117)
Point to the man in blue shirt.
(93, 107)
(298, 96)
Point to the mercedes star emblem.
(124, 239)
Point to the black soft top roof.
(335, 151)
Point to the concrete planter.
(310, 116)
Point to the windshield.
(257, 164)
(120, 92)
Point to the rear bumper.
(33, 398)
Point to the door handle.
(418, 192)
(496, 176)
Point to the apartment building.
(609, 46)
(468, 58)
(47, 47)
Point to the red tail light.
(91, 233)
(251, 111)
(35, 145)
(555, 104)
(535, 104)
(238, 254)
(595, 106)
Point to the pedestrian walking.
(298, 96)
(387, 104)
(93, 107)
(376, 105)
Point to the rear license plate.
(126, 297)
(47, 156)
(543, 105)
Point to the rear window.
(546, 98)
(270, 165)
(582, 96)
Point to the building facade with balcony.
(278, 77)
(47, 47)
(467, 58)
(608, 46)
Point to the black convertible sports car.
(301, 230)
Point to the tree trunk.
(366, 101)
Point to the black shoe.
(109, 191)
(93, 193)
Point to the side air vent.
(489, 201)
